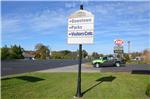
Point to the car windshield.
(104, 58)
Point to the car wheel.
(117, 64)
(97, 65)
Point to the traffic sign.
(118, 42)
(81, 27)
(118, 47)
(118, 51)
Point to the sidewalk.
(73, 68)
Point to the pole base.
(75, 97)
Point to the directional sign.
(81, 27)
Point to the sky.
(30, 22)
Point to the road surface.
(22, 66)
(134, 69)
(66, 65)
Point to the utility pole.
(128, 47)
(78, 93)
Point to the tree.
(135, 54)
(95, 55)
(57, 55)
(110, 55)
(126, 56)
(146, 54)
(146, 51)
(42, 51)
(101, 55)
(65, 52)
(84, 53)
(5, 53)
(16, 52)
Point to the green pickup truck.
(108, 61)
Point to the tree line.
(43, 52)
(14, 52)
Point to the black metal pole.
(79, 94)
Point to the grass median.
(63, 86)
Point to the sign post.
(80, 31)
(78, 93)
(118, 49)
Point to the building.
(29, 55)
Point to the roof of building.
(29, 54)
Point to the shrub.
(148, 90)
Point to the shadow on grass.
(26, 78)
(141, 72)
(99, 81)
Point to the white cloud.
(37, 22)
(47, 21)
(10, 25)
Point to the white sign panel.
(81, 27)
(118, 47)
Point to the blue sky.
(29, 23)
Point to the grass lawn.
(63, 86)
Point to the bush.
(148, 90)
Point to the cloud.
(10, 25)
(47, 20)
(36, 22)
(121, 19)
(112, 20)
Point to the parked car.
(108, 61)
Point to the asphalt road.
(22, 66)
(134, 69)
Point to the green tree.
(16, 52)
(110, 55)
(101, 55)
(64, 54)
(57, 55)
(95, 55)
(126, 56)
(84, 53)
(42, 51)
(136, 54)
(5, 53)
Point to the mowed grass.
(63, 86)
